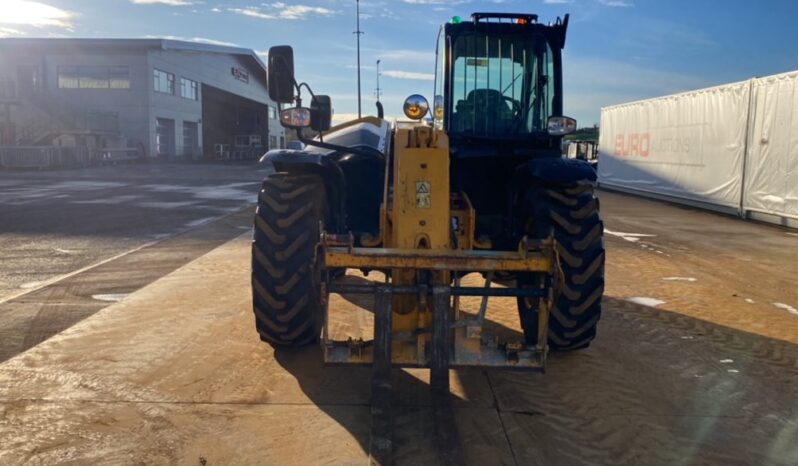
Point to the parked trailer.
(730, 148)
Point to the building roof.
(67, 44)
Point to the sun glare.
(36, 14)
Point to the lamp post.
(378, 80)
(358, 33)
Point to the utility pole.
(358, 33)
(378, 81)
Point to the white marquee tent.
(732, 148)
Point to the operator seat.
(484, 109)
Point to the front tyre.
(286, 274)
(571, 211)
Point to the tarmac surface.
(75, 241)
(696, 362)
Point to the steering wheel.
(516, 105)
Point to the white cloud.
(388, 56)
(36, 14)
(280, 10)
(7, 32)
(362, 67)
(409, 75)
(165, 2)
(617, 3)
(406, 55)
(557, 2)
(388, 13)
(251, 12)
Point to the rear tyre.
(286, 274)
(572, 213)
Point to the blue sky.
(617, 50)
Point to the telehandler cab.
(481, 186)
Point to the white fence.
(732, 148)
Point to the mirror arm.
(299, 101)
(298, 87)
(310, 91)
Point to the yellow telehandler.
(477, 184)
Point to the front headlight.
(297, 117)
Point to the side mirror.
(437, 107)
(416, 107)
(281, 74)
(320, 113)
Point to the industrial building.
(134, 98)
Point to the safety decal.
(423, 199)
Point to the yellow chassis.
(426, 236)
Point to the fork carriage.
(443, 336)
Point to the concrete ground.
(696, 363)
(74, 241)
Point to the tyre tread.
(285, 276)
(572, 213)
